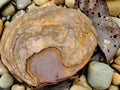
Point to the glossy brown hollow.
(48, 45)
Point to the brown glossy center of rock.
(46, 65)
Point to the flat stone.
(40, 2)
(79, 87)
(18, 14)
(21, 4)
(3, 2)
(116, 78)
(99, 75)
(113, 87)
(8, 10)
(117, 60)
(1, 26)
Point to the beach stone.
(99, 75)
(3, 2)
(9, 10)
(117, 60)
(18, 14)
(31, 7)
(1, 26)
(79, 87)
(40, 2)
(70, 3)
(22, 4)
(116, 67)
(116, 78)
(113, 87)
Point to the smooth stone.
(113, 87)
(116, 78)
(50, 3)
(118, 52)
(3, 70)
(78, 87)
(58, 2)
(117, 20)
(1, 26)
(22, 4)
(18, 87)
(117, 60)
(99, 75)
(6, 80)
(116, 67)
(40, 2)
(83, 82)
(31, 7)
(18, 14)
(9, 10)
(70, 3)
(3, 2)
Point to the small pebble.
(58, 2)
(50, 3)
(40, 2)
(18, 87)
(83, 82)
(116, 67)
(117, 60)
(99, 75)
(113, 87)
(22, 4)
(70, 3)
(31, 7)
(118, 52)
(9, 10)
(1, 26)
(18, 14)
(78, 87)
(3, 2)
(3, 70)
(6, 80)
(116, 78)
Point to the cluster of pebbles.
(109, 75)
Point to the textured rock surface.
(48, 45)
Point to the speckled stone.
(1, 26)
(21, 4)
(18, 14)
(8, 10)
(99, 75)
(3, 2)
(40, 2)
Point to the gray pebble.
(18, 14)
(3, 2)
(99, 75)
(22, 4)
(9, 10)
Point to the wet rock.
(99, 75)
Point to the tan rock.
(116, 67)
(58, 2)
(1, 27)
(79, 87)
(117, 60)
(50, 3)
(70, 3)
(118, 52)
(113, 87)
(116, 78)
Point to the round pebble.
(21, 4)
(3, 70)
(1, 26)
(40, 2)
(31, 7)
(6, 80)
(3, 2)
(18, 14)
(99, 75)
(8, 10)
(113, 87)
(70, 3)
(79, 87)
(116, 78)
(18, 87)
